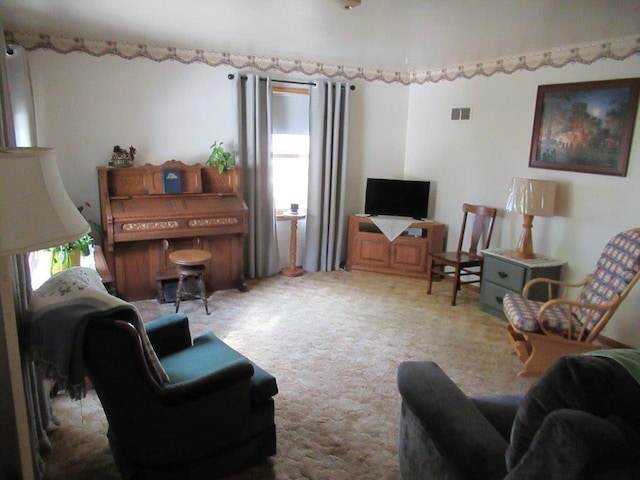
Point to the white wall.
(473, 161)
(377, 137)
(86, 105)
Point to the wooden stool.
(190, 265)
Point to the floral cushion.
(618, 264)
(616, 268)
(523, 314)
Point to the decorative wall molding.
(615, 49)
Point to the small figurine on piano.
(122, 158)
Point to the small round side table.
(292, 270)
(190, 265)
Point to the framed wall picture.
(585, 127)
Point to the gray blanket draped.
(56, 343)
(60, 310)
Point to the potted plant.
(68, 255)
(220, 158)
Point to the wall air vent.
(461, 113)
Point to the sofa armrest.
(500, 410)
(238, 371)
(169, 334)
(462, 436)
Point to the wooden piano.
(143, 225)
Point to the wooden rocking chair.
(543, 331)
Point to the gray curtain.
(254, 155)
(329, 118)
(17, 128)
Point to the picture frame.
(585, 127)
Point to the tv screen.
(401, 198)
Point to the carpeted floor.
(334, 342)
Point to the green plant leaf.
(219, 157)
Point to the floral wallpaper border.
(616, 49)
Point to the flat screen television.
(401, 198)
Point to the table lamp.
(530, 198)
(35, 212)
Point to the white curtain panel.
(262, 258)
(329, 112)
(16, 101)
(19, 76)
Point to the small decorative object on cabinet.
(369, 249)
(122, 157)
(502, 273)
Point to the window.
(290, 170)
(290, 146)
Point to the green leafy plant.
(220, 158)
(62, 256)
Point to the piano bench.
(190, 265)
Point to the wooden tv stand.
(370, 250)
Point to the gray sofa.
(580, 420)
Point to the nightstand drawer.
(504, 274)
(492, 295)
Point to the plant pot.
(64, 260)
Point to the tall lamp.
(530, 198)
(35, 212)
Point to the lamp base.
(524, 249)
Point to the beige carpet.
(334, 342)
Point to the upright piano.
(142, 225)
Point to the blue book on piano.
(171, 180)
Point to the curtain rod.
(231, 76)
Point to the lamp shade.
(35, 209)
(531, 197)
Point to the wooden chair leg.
(203, 293)
(430, 276)
(179, 291)
(456, 286)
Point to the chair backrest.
(483, 219)
(617, 271)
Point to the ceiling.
(391, 35)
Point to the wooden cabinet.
(143, 226)
(369, 249)
(502, 274)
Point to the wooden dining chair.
(464, 266)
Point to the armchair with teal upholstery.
(213, 416)
(177, 408)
